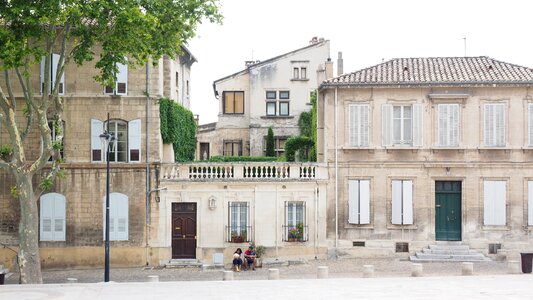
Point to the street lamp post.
(107, 138)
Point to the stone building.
(269, 93)
(71, 228)
(429, 149)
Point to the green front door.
(448, 210)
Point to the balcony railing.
(295, 233)
(243, 171)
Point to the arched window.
(52, 217)
(118, 217)
(127, 144)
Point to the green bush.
(270, 147)
(304, 123)
(240, 159)
(312, 155)
(178, 128)
(300, 144)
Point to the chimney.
(329, 68)
(313, 40)
(340, 65)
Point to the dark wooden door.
(183, 230)
(448, 210)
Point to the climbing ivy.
(300, 144)
(178, 128)
(307, 125)
(312, 155)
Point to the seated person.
(250, 258)
(237, 260)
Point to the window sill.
(495, 228)
(298, 79)
(359, 226)
(494, 148)
(402, 227)
(357, 148)
(277, 117)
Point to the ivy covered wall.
(178, 128)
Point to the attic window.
(405, 69)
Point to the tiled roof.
(480, 70)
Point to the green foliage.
(304, 123)
(5, 152)
(270, 147)
(312, 155)
(259, 250)
(14, 192)
(178, 128)
(241, 158)
(46, 183)
(300, 144)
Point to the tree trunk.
(29, 259)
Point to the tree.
(270, 148)
(76, 31)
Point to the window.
(530, 203)
(494, 124)
(283, 108)
(299, 73)
(233, 148)
(233, 102)
(187, 88)
(279, 144)
(54, 59)
(121, 84)
(284, 94)
(402, 125)
(530, 113)
(295, 226)
(359, 201)
(57, 134)
(52, 218)
(271, 108)
(448, 125)
(118, 217)
(358, 125)
(239, 231)
(296, 73)
(303, 73)
(271, 94)
(127, 144)
(402, 202)
(494, 202)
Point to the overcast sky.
(365, 31)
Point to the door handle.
(184, 236)
(437, 206)
(177, 228)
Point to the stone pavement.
(450, 287)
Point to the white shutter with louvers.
(443, 129)
(358, 125)
(396, 202)
(407, 202)
(489, 125)
(530, 120)
(352, 126)
(530, 203)
(52, 219)
(500, 124)
(418, 125)
(134, 140)
(454, 125)
(59, 217)
(353, 201)
(364, 125)
(494, 204)
(122, 79)
(118, 217)
(55, 60)
(364, 202)
(42, 73)
(97, 149)
(386, 125)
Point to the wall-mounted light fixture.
(158, 198)
(212, 203)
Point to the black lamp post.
(107, 138)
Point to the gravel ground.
(342, 268)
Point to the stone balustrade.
(260, 171)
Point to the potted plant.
(259, 252)
(296, 233)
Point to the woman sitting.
(237, 260)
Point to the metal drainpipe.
(316, 221)
(336, 177)
(148, 184)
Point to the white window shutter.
(122, 79)
(59, 217)
(454, 124)
(489, 134)
(364, 202)
(530, 203)
(407, 202)
(386, 124)
(47, 217)
(530, 120)
(396, 202)
(364, 125)
(494, 204)
(118, 217)
(97, 149)
(418, 125)
(500, 124)
(134, 140)
(55, 60)
(43, 59)
(352, 125)
(442, 129)
(353, 201)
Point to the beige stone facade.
(414, 126)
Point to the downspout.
(316, 221)
(148, 179)
(336, 175)
(277, 219)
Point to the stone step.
(449, 247)
(183, 263)
(416, 259)
(458, 257)
(448, 251)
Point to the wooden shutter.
(364, 202)
(418, 125)
(489, 138)
(396, 202)
(494, 204)
(352, 125)
(500, 124)
(134, 140)
(407, 202)
(530, 203)
(118, 217)
(122, 79)
(59, 217)
(353, 201)
(53, 211)
(358, 125)
(43, 61)
(97, 128)
(55, 60)
(386, 124)
(448, 125)
(494, 124)
(530, 119)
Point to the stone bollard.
(228, 275)
(467, 268)
(322, 272)
(72, 280)
(514, 267)
(368, 271)
(273, 274)
(416, 270)
(153, 278)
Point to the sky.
(366, 32)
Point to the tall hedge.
(178, 128)
(313, 136)
(270, 147)
(304, 123)
(298, 144)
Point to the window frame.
(239, 230)
(361, 138)
(239, 143)
(292, 223)
(54, 136)
(494, 208)
(448, 119)
(402, 208)
(122, 78)
(359, 193)
(224, 108)
(271, 104)
(288, 108)
(493, 113)
(118, 209)
(271, 95)
(283, 93)
(52, 206)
